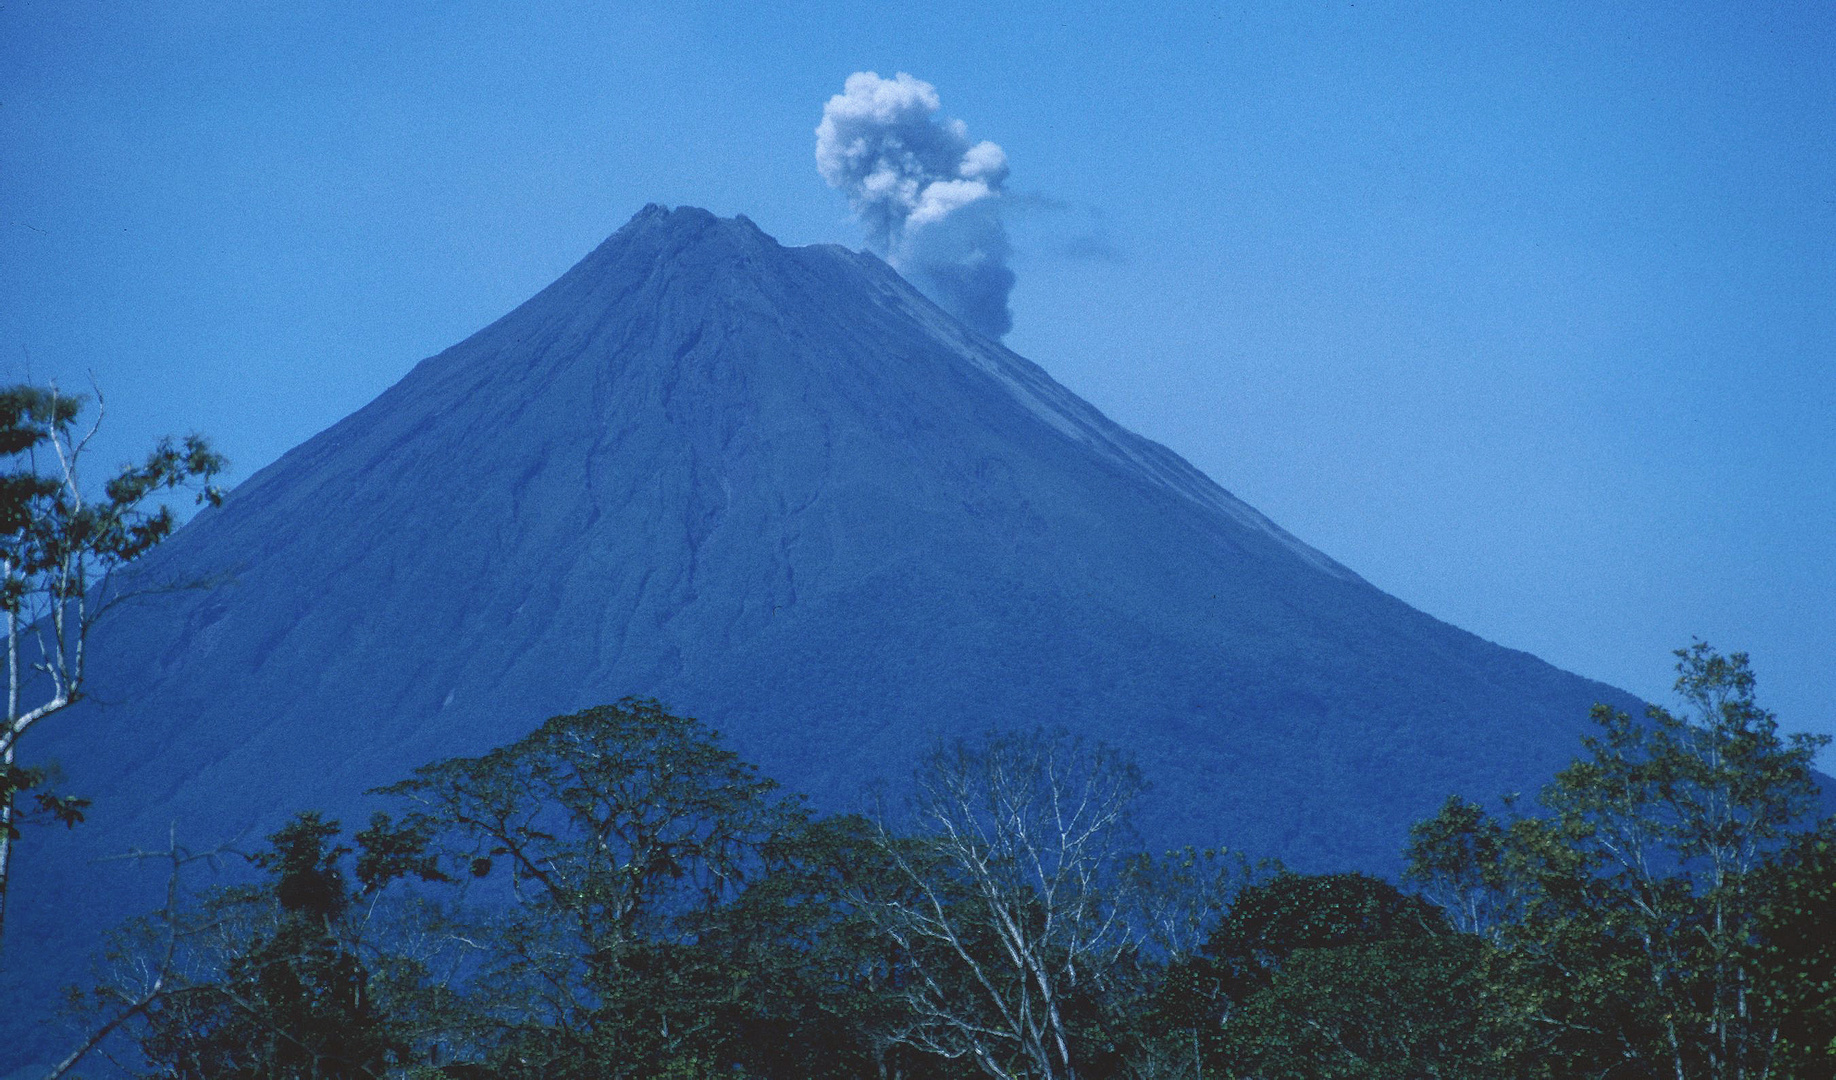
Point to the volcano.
(781, 491)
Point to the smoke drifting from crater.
(930, 199)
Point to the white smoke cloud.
(930, 199)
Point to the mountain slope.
(780, 490)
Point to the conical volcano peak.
(689, 227)
(659, 275)
(684, 239)
(709, 261)
(703, 331)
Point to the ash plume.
(930, 199)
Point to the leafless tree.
(1009, 905)
(154, 974)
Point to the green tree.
(1406, 1008)
(1796, 954)
(1182, 896)
(60, 545)
(1628, 912)
(298, 976)
(1333, 975)
(599, 842)
(819, 985)
(1271, 920)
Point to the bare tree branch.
(1013, 897)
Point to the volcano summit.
(780, 490)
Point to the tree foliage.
(617, 894)
(1795, 958)
(292, 976)
(1630, 911)
(1338, 975)
(610, 832)
(60, 545)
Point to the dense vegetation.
(618, 895)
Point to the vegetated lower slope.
(781, 491)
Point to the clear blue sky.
(1526, 312)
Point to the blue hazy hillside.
(780, 490)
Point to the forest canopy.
(618, 894)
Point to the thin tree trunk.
(6, 760)
(6, 836)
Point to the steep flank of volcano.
(780, 490)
